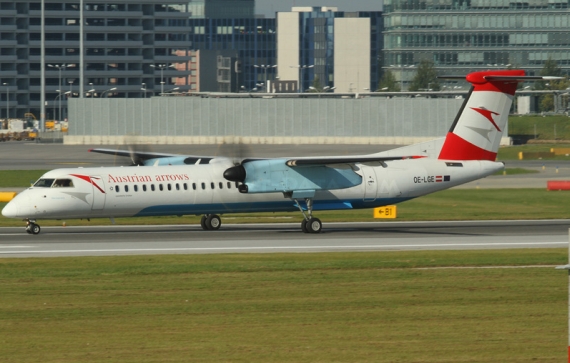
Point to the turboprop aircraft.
(165, 184)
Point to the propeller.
(133, 144)
(238, 153)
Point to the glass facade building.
(131, 48)
(253, 40)
(460, 36)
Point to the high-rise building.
(461, 36)
(131, 48)
(341, 49)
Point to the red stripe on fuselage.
(456, 148)
(89, 180)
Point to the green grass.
(336, 307)
(512, 152)
(516, 171)
(19, 178)
(455, 204)
(545, 127)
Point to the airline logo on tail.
(477, 130)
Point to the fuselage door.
(99, 192)
(370, 183)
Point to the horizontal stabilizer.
(143, 155)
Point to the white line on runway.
(276, 248)
(16, 246)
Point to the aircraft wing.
(345, 160)
(144, 155)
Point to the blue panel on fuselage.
(267, 176)
(273, 206)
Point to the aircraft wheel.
(28, 230)
(304, 226)
(203, 223)
(314, 225)
(34, 228)
(213, 222)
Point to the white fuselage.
(201, 189)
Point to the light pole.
(7, 101)
(110, 89)
(265, 68)
(162, 66)
(301, 67)
(59, 68)
(143, 88)
(174, 89)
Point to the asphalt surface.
(283, 238)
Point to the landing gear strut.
(211, 222)
(32, 227)
(309, 224)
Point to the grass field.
(555, 127)
(334, 307)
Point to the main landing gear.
(32, 227)
(309, 224)
(211, 222)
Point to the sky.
(270, 7)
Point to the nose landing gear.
(32, 227)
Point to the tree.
(316, 87)
(546, 102)
(388, 83)
(425, 78)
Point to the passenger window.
(212, 185)
(229, 185)
(177, 186)
(152, 187)
(203, 186)
(169, 186)
(144, 187)
(221, 185)
(185, 186)
(194, 186)
(136, 188)
(126, 188)
(117, 189)
(160, 187)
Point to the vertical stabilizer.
(477, 130)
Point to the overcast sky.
(270, 7)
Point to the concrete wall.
(183, 120)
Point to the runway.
(283, 238)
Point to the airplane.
(168, 184)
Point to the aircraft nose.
(10, 210)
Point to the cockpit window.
(44, 183)
(63, 183)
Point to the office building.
(131, 49)
(461, 36)
(341, 49)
